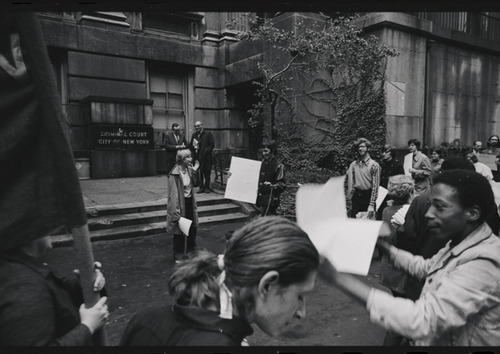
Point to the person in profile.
(460, 301)
(267, 269)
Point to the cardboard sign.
(488, 160)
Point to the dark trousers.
(205, 179)
(360, 201)
(182, 244)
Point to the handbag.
(195, 178)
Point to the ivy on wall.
(337, 59)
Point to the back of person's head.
(269, 243)
(194, 281)
(360, 141)
(472, 189)
(415, 142)
(400, 189)
(456, 162)
(265, 244)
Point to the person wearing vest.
(363, 180)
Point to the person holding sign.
(263, 277)
(363, 180)
(481, 168)
(40, 308)
(421, 169)
(493, 145)
(477, 146)
(460, 301)
(271, 180)
(181, 202)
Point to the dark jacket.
(37, 308)
(184, 326)
(170, 143)
(204, 152)
(271, 171)
(390, 168)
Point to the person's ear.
(473, 213)
(267, 281)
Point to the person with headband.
(262, 278)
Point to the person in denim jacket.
(460, 301)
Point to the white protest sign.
(488, 160)
(408, 163)
(382, 193)
(244, 180)
(185, 225)
(317, 202)
(347, 243)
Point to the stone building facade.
(125, 77)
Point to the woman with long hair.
(262, 278)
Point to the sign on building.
(117, 136)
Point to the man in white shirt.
(481, 168)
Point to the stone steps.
(109, 222)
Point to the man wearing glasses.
(202, 145)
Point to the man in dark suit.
(174, 141)
(202, 145)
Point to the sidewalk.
(115, 191)
(97, 192)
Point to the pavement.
(113, 191)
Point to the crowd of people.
(441, 262)
(365, 175)
(443, 217)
